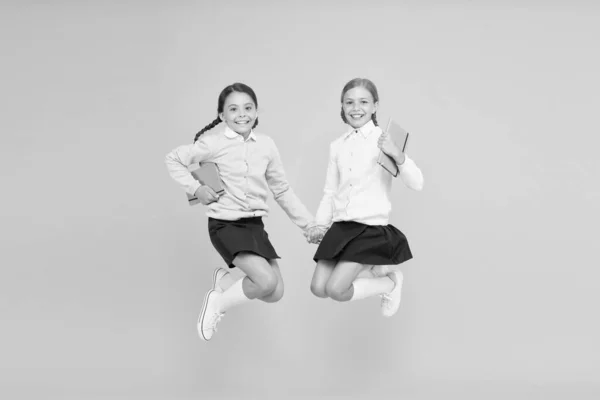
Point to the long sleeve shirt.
(249, 169)
(356, 187)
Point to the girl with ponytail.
(249, 167)
(359, 250)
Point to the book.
(400, 137)
(207, 174)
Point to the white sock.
(377, 271)
(383, 270)
(364, 288)
(233, 296)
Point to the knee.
(275, 296)
(267, 284)
(318, 290)
(336, 292)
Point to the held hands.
(389, 147)
(206, 195)
(314, 234)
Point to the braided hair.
(208, 127)
(236, 87)
(367, 84)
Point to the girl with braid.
(358, 254)
(249, 166)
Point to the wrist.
(194, 190)
(399, 158)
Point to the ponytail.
(207, 128)
(343, 116)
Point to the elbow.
(280, 192)
(414, 183)
(172, 160)
(414, 180)
(169, 158)
(418, 185)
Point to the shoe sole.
(202, 315)
(215, 274)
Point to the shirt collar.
(230, 134)
(364, 130)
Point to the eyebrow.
(236, 105)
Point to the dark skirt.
(364, 244)
(247, 234)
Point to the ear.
(221, 117)
(376, 107)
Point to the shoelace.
(387, 298)
(216, 318)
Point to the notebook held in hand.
(400, 137)
(207, 174)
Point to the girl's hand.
(206, 195)
(389, 147)
(314, 234)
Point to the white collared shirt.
(356, 187)
(248, 168)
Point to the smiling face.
(358, 106)
(239, 113)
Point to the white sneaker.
(217, 276)
(390, 302)
(210, 315)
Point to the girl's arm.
(410, 174)
(178, 160)
(325, 210)
(283, 193)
